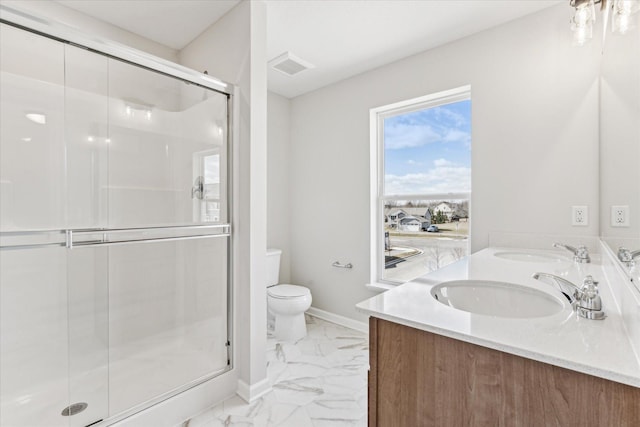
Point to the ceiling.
(173, 23)
(341, 38)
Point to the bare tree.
(458, 253)
(435, 258)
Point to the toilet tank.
(273, 266)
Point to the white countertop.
(597, 347)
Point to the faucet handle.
(589, 295)
(624, 254)
(582, 254)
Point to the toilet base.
(290, 327)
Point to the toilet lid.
(287, 291)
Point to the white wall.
(278, 185)
(534, 146)
(89, 25)
(234, 50)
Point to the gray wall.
(278, 177)
(534, 147)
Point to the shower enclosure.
(115, 236)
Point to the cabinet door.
(425, 379)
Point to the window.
(420, 185)
(206, 191)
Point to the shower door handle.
(197, 191)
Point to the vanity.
(435, 365)
(478, 360)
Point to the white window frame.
(377, 197)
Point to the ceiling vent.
(289, 64)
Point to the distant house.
(427, 216)
(445, 208)
(393, 217)
(409, 223)
(460, 215)
(426, 222)
(396, 215)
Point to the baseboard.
(339, 320)
(249, 393)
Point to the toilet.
(286, 304)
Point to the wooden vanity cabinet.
(418, 378)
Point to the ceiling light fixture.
(585, 16)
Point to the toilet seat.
(287, 291)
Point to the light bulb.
(621, 20)
(582, 17)
(580, 36)
(582, 23)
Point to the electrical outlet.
(619, 216)
(580, 216)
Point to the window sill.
(379, 287)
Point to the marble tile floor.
(319, 381)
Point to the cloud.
(445, 177)
(456, 135)
(443, 113)
(400, 135)
(435, 125)
(442, 162)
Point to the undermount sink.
(529, 256)
(499, 299)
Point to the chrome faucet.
(585, 300)
(580, 254)
(627, 257)
(568, 289)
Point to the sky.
(429, 151)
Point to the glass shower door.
(33, 277)
(168, 273)
(115, 236)
(86, 151)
